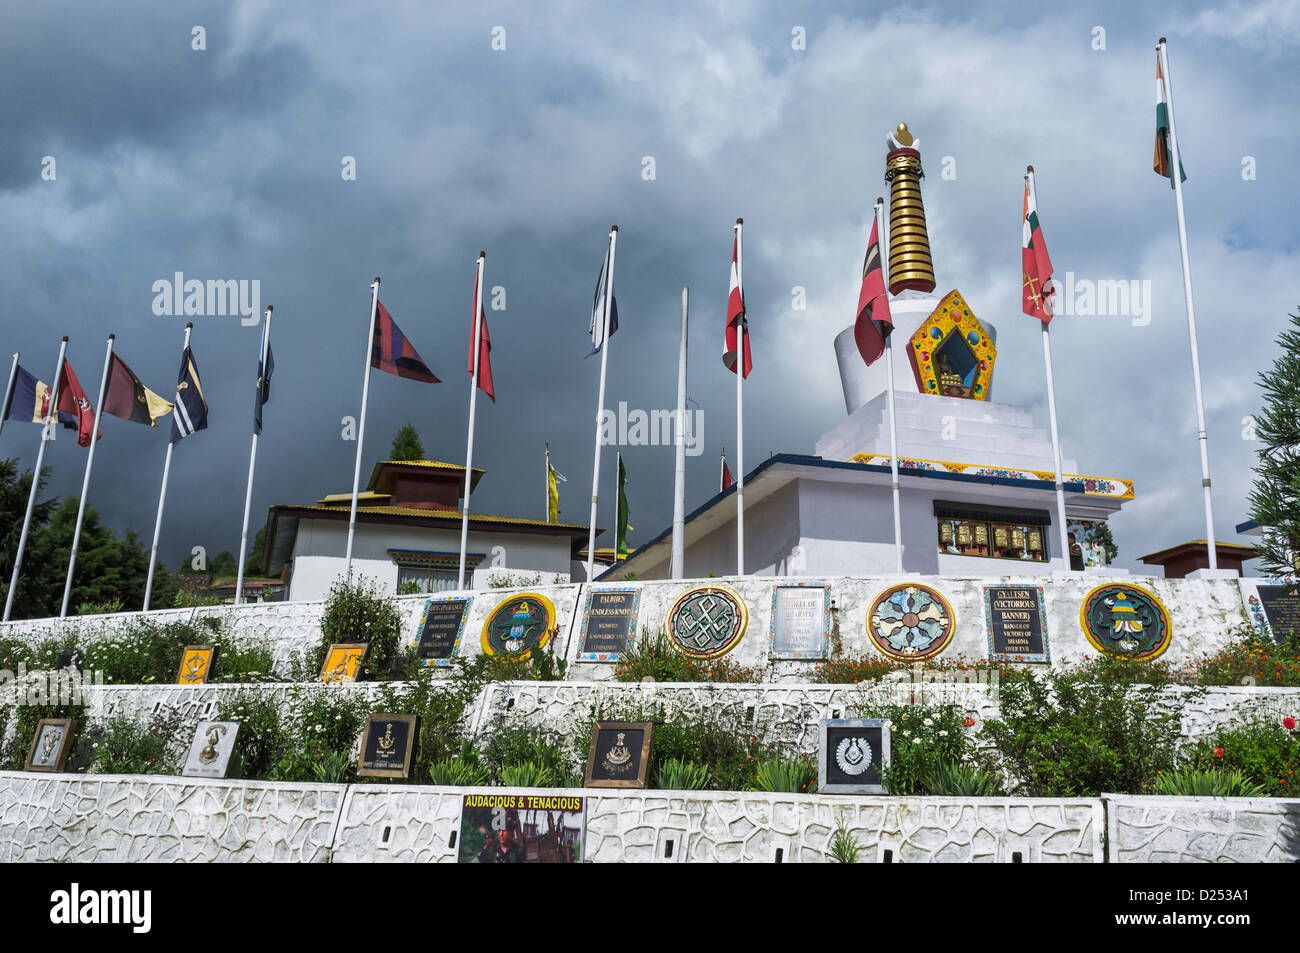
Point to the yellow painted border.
(890, 653)
(694, 590)
(954, 467)
(1083, 621)
(546, 633)
(952, 314)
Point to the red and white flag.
(725, 476)
(1037, 267)
(873, 322)
(737, 323)
(485, 348)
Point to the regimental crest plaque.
(518, 625)
(608, 622)
(441, 626)
(1015, 619)
(707, 621)
(388, 746)
(800, 627)
(853, 755)
(620, 754)
(50, 746)
(343, 661)
(1121, 619)
(910, 622)
(210, 751)
(196, 664)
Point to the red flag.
(1037, 280)
(737, 322)
(726, 475)
(485, 348)
(73, 401)
(874, 321)
(393, 353)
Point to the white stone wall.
(1202, 830)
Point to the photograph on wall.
(619, 755)
(388, 746)
(852, 755)
(521, 829)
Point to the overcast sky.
(227, 162)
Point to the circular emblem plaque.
(910, 622)
(853, 756)
(1120, 619)
(518, 625)
(707, 621)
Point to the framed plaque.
(441, 627)
(608, 622)
(343, 661)
(196, 664)
(706, 622)
(1280, 605)
(800, 627)
(210, 751)
(620, 754)
(50, 746)
(521, 829)
(1015, 618)
(852, 755)
(388, 746)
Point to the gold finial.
(903, 136)
(910, 265)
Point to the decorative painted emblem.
(910, 622)
(951, 353)
(707, 621)
(853, 755)
(518, 625)
(1120, 619)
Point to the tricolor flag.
(1163, 157)
(126, 397)
(75, 406)
(263, 379)
(485, 348)
(191, 413)
(737, 322)
(393, 353)
(1037, 288)
(597, 328)
(29, 401)
(874, 322)
(725, 475)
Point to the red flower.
(967, 722)
(1218, 752)
(1288, 724)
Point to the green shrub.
(678, 775)
(361, 612)
(461, 771)
(655, 657)
(796, 774)
(126, 745)
(1210, 783)
(527, 774)
(519, 751)
(844, 846)
(1264, 750)
(922, 738)
(960, 780)
(264, 735)
(1250, 659)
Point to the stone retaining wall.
(1206, 830)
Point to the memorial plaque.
(620, 754)
(210, 751)
(608, 623)
(388, 746)
(1281, 605)
(518, 625)
(196, 664)
(706, 622)
(521, 829)
(852, 756)
(910, 622)
(50, 746)
(343, 661)
(800, 622)
(1125, 620)
(441, 626)
(1015, 618)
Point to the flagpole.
(1175, 175)
(252, 462)
(162, 495)
(85, 480)
(679, 472)
(883, 238)
(546, 513)
(47, 423)
(600, 405)
(618, 462)
(740, 404)
(9, 391)
(361, 428)
(477, 346)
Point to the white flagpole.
(85, 480)
(740, 405)
(252, 462)
(9, 390)
(1175, 175)
(361, 427)
(883, 249)
(162, 495)
(476, 346)
(1051, 409)
(618, 462)
(679, 474)
(600, 404)
(47, 424)
(546, 513)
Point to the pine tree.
(406, 444)
(35, 585)
(1275, 498)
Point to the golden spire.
(910, 265)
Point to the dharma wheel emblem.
(1120, 619)
(518, 625)
(910, 622)
(707, 621)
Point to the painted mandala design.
(910, 622)
(1125, 620)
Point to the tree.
(406, 444)
(34, 586)
(1275, 497)
(1101, 535)
(257, 553)
(223, 564)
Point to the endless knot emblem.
(707, 622)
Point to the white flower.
(916, 740)
(943, 734)
(928, 722)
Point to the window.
(432, 571)
(992, 532)
(427, 580)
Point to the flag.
(737, 322)
(874, 323)
(1163, 156)
(620, 532)
(725, 475)
(597, 328)
(1037, 287)
(263, 380)
(191, 413)
(485, 348)
(126, 397)
(29, 400)
(392, 352)
(75, 411)
(553, 477)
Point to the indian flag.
(1163, 161)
